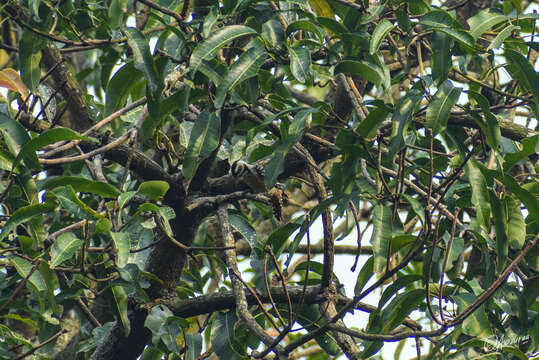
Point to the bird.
(253, 176)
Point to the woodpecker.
(253, 176)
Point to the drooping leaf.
(241, 225)
(246, 67)
(30, 46)
(307, 26)
(380, 32)
(24, 267)
(71, 202)
(530, 146)
(120, 302)
(209, 47)
(116, 12)
(81, 184)
(500, 225)
(121, 244)
(522, 70)
(300, 63)
(364, 275)
(441, 56)
(203, 140)
(363, 69)
(401, 118)
(493, 127)
(396, 286)
(440, 107)
(120, 85)
(502, 36)
(47, 138)
(484, 20)
(516, 227)
(368, 127)
(194, 345)
(222, 336)
(480, 197)
(143, 57)
(381, 236)
(531, 202)
(477, 323)
(23, 214)
(9, 78)
(64, 248)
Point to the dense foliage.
(408, 126)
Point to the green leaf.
(278, 239)
(209, 47)
(484, 20)
(275, 167)
(363, 69)
(23, 268)
(119, 87)
(203, 140)
(246, 67)
(369, 126)
(400, 308)
(155, 189)
(440, 107)
(119, 299)
(332, 25)
(502, 36)
(396, 285)
(305, 25)
(381, 236)
(193, 342)
(382, 29)
(439, 18)
(143, 57)
(493, 134)
(516, 226)
(500, 224)
(310, 317)
(156, 321)
(530, 146)
(441, 56)
(81, 184)
(64, 248)
(222, 336)
(522, 70)
(14, 134)
(480, 197)
(241, 225)
(477, 323)
(300, 63)
(47, 138)
(273, 32)
(121, 244)
(364, 275)
(461, 36)
(71, 203)
(391, 316)
(116, 12)
(151, 353)
(30, 46)
(401, 118)
(24, 214)
(531, 202)
(416, 206)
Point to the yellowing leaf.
(9, 78)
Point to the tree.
(124, 234)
